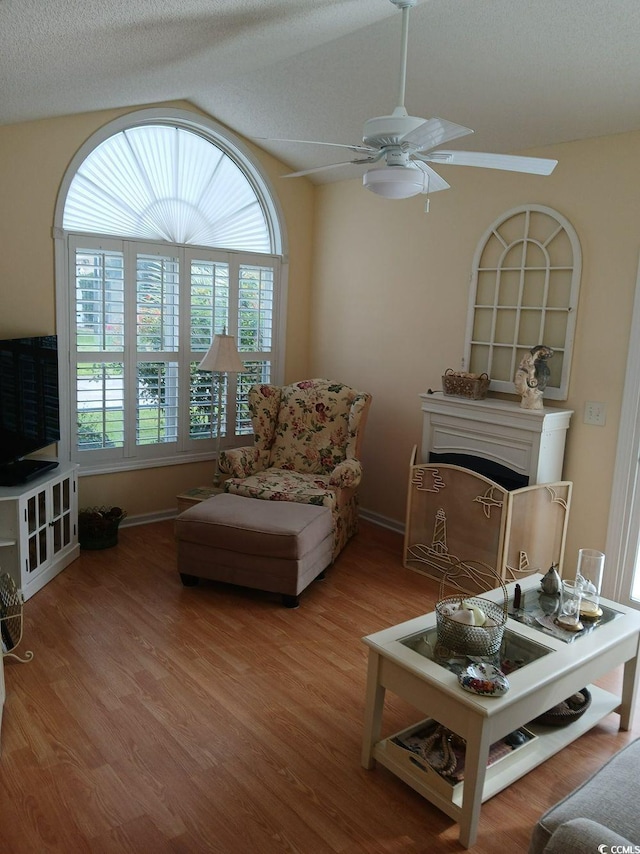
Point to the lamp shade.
(222, 355)
(395, 182)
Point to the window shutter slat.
(158, 182)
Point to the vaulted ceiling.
(523, 74)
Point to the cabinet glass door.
(61, 514)
(37, 528)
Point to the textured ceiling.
(522, 74)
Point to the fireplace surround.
(478, 434)
(489, 488)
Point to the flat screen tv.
(29, 405)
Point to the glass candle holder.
(570, 603)
(589, 574)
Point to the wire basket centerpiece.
(468, 624)
(11, 603)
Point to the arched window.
(166, 234)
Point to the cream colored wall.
(33, 160)
(388, 305)
(391, 286)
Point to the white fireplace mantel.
(528, 441)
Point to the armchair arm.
(346, 474)
(243, 462)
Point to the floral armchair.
(307, 439)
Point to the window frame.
(65, 242)
(510, 240)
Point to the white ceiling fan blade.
(508, 162)
(331, 166)
(364, 149)
(434, 132)
(434, 181)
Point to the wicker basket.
(459, 637)
(461, 384)
(98, 527)
(566, 712)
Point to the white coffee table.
(562, 670)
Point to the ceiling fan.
(407, 144)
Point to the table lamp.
(222, 358)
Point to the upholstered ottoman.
(277, 546)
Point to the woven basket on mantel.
(462, 384)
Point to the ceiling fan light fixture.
(407, 144)
(395, 182)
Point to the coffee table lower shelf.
(548, 741)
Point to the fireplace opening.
(506, 477)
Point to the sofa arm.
(584, 836)
(346, 475)
(243, 462)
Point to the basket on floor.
(461, 638)
(98, 527)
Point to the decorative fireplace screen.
(456, 514)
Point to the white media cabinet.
(39, 527)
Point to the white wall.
(378, 296)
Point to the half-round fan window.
(161, 182)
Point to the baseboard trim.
(147, 518)
(162, 515)
(382, 521)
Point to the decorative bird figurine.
(532, 376)
(541, 354)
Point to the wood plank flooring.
(156, 718)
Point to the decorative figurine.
(517, 598)
(532, 376)
(551, 583)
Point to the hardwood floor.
(157, 718)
